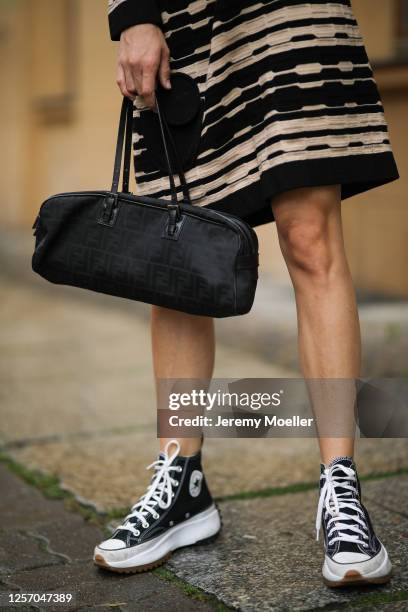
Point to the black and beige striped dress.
(290, 99)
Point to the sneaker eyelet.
(156, 516)
(179, 468)
(146, 526)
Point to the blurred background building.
(59, 109)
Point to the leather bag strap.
(124, 147)
(128, 149)
(119, 146)
(164, 129)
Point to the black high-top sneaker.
(353, 553)
(176, 510)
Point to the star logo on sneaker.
(196, 480)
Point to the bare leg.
(183, 347)
(310, 234)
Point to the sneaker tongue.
(346, 461)
(349, 463)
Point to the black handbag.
(164, 252)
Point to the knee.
(306, 247)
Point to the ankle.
(188, 446)
(335, 459)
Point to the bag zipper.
(236, 223)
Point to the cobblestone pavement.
(77, 414)
(46, 549)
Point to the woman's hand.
(143, 56)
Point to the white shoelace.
(160, 487)
(335, 503)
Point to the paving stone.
(47, 557)
(393, 495)
(42, 523)
(90, 585)
(267, 557)
(23, 507)
(394, 607)
(70, 367)
(72, 537)
(282, 462)
(30, 552)
(398, 606)
(109, 471)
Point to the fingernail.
(168, 84)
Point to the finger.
(164, 70)
(130, 79)
(121, 82)
(148, 85)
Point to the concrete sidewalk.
(77, 419)
(78, 400)
(262, 561)
(46, 549)
(78, 409)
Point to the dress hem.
(355, 173)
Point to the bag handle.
(124, 137)
(164, 127)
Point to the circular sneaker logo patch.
(196, 480)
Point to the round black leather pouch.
(183, 109)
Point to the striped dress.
(289, 99)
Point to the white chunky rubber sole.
(373, 571)
(197, 529)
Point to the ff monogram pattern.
(211, 269)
